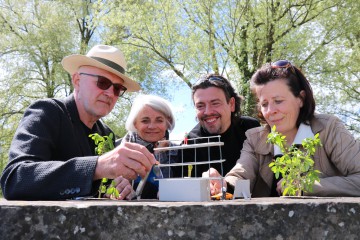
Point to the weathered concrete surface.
(265, 218)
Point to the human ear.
(302, 96)
(232, 104)
(75, 79)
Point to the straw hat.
(105, 57)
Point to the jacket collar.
(73, 114)
(72, 109)
(316, 125)
(304, 131)
(264, 148)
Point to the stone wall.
(262, 218)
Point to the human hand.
(124, 188)
(163, 143)
(128, 160)
(215, 185)
(280, 188)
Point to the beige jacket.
(338, 160)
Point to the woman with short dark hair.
(285, 99)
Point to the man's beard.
(214, 129)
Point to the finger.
(115, 163)
(135, 167)
(118, 180)
(139, 149)
(107, 195)
(131, 195)
(126, 171)
(128, 167)
(205, 174)
(217, 186)
(214, 173)
(214, 187)
(140, 154)
(279, 187)
(121, 183)
(225, 184)
(124, 193)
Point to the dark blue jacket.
(51, 157)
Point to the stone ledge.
(261, 218)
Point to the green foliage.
(171, 40)
(296, 165)
(117, 117)
(35, 36)
(103, 145)
(167, 43)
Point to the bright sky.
(184, 112)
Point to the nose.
(110, 91)
(271, 109)
(151, 125)
(207, 109)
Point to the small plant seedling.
(190, 167)
(296, 165)
(103, 145)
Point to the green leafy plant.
(296, 165)
(103, 145)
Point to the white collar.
(303, 132)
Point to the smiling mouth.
(210, 119)
(276, 120)
(152, 132)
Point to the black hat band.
(111, 64)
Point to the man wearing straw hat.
(52, 157)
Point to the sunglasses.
(211, 78)
(283, 64)
(104, 83)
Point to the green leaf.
(104, 180)
(296, 165)
(104, 144)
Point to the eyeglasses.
(281, 64)
(104, 83)
(215, 78)
(211, 78)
